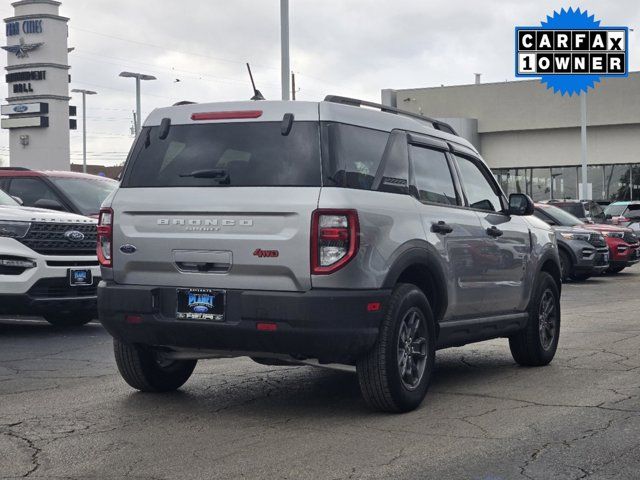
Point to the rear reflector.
(133, 319)
(226, 115)
(266, 327)
(373, 306)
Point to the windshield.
(615, 210)
(86, 193)
(6, 200)
(236, 154)
(560, 217)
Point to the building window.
(564, 183)
(541, 184)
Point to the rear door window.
(226, 154)
(432, 176)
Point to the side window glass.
(354, 155)
(432, 176)
(478, 189)
(30, 190)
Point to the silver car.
(318, 233)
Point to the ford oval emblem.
(20, 108)
(200, 309)
(128, 249)
(74, 235)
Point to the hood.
(601, 227)
(28, 214)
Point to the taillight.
(334, 239)
(105, 237)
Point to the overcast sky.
(353, 48)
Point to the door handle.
(494, 232)
(441, 228)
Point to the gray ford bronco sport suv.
(318, 233)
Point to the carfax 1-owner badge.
(571, 51)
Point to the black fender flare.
(549, 254)
(419, 252)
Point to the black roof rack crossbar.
(354, 102)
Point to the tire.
(145, 370)
(408, 317)
(615, 269)
(532, 346)
(566, 266)
(581, 277)
(69, 319)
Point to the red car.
(623, 245)
(65, 191)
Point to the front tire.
(395, 375)
(566, 266)
(148, 371)
(536, 345)
(615, 269)
(69, 319)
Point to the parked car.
(588, 211)
(618, 211)
(48, 264)
(631, 218)
(55, 190)
(583, 253)
(622, 242)
(294, 232)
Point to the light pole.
(284, 47)
(84, 124)
(138, 77)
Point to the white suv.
(48, 264)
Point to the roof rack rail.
(16, 168)
(354, 102)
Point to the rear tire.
(536, 345)
(69, 319)
(395, 375)
(144, 369)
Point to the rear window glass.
(575, 209)
(226, 154)
(351, 154)
(615, 210)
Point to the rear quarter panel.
(387, 221)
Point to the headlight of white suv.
(575, 236)
(13, 229)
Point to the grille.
(49, 239)
(597, 240)
(630, 237)
(60, 288)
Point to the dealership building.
(530, 137)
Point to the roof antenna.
(256, 93)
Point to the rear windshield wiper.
(210, 173)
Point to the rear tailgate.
(238, 237)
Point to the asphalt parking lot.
(66, 414)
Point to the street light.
(138, 77)
(84, 124)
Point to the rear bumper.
(330, 325)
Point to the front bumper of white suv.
(34, 283)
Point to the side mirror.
(17, 199)
(49, 204)
(520, 204)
